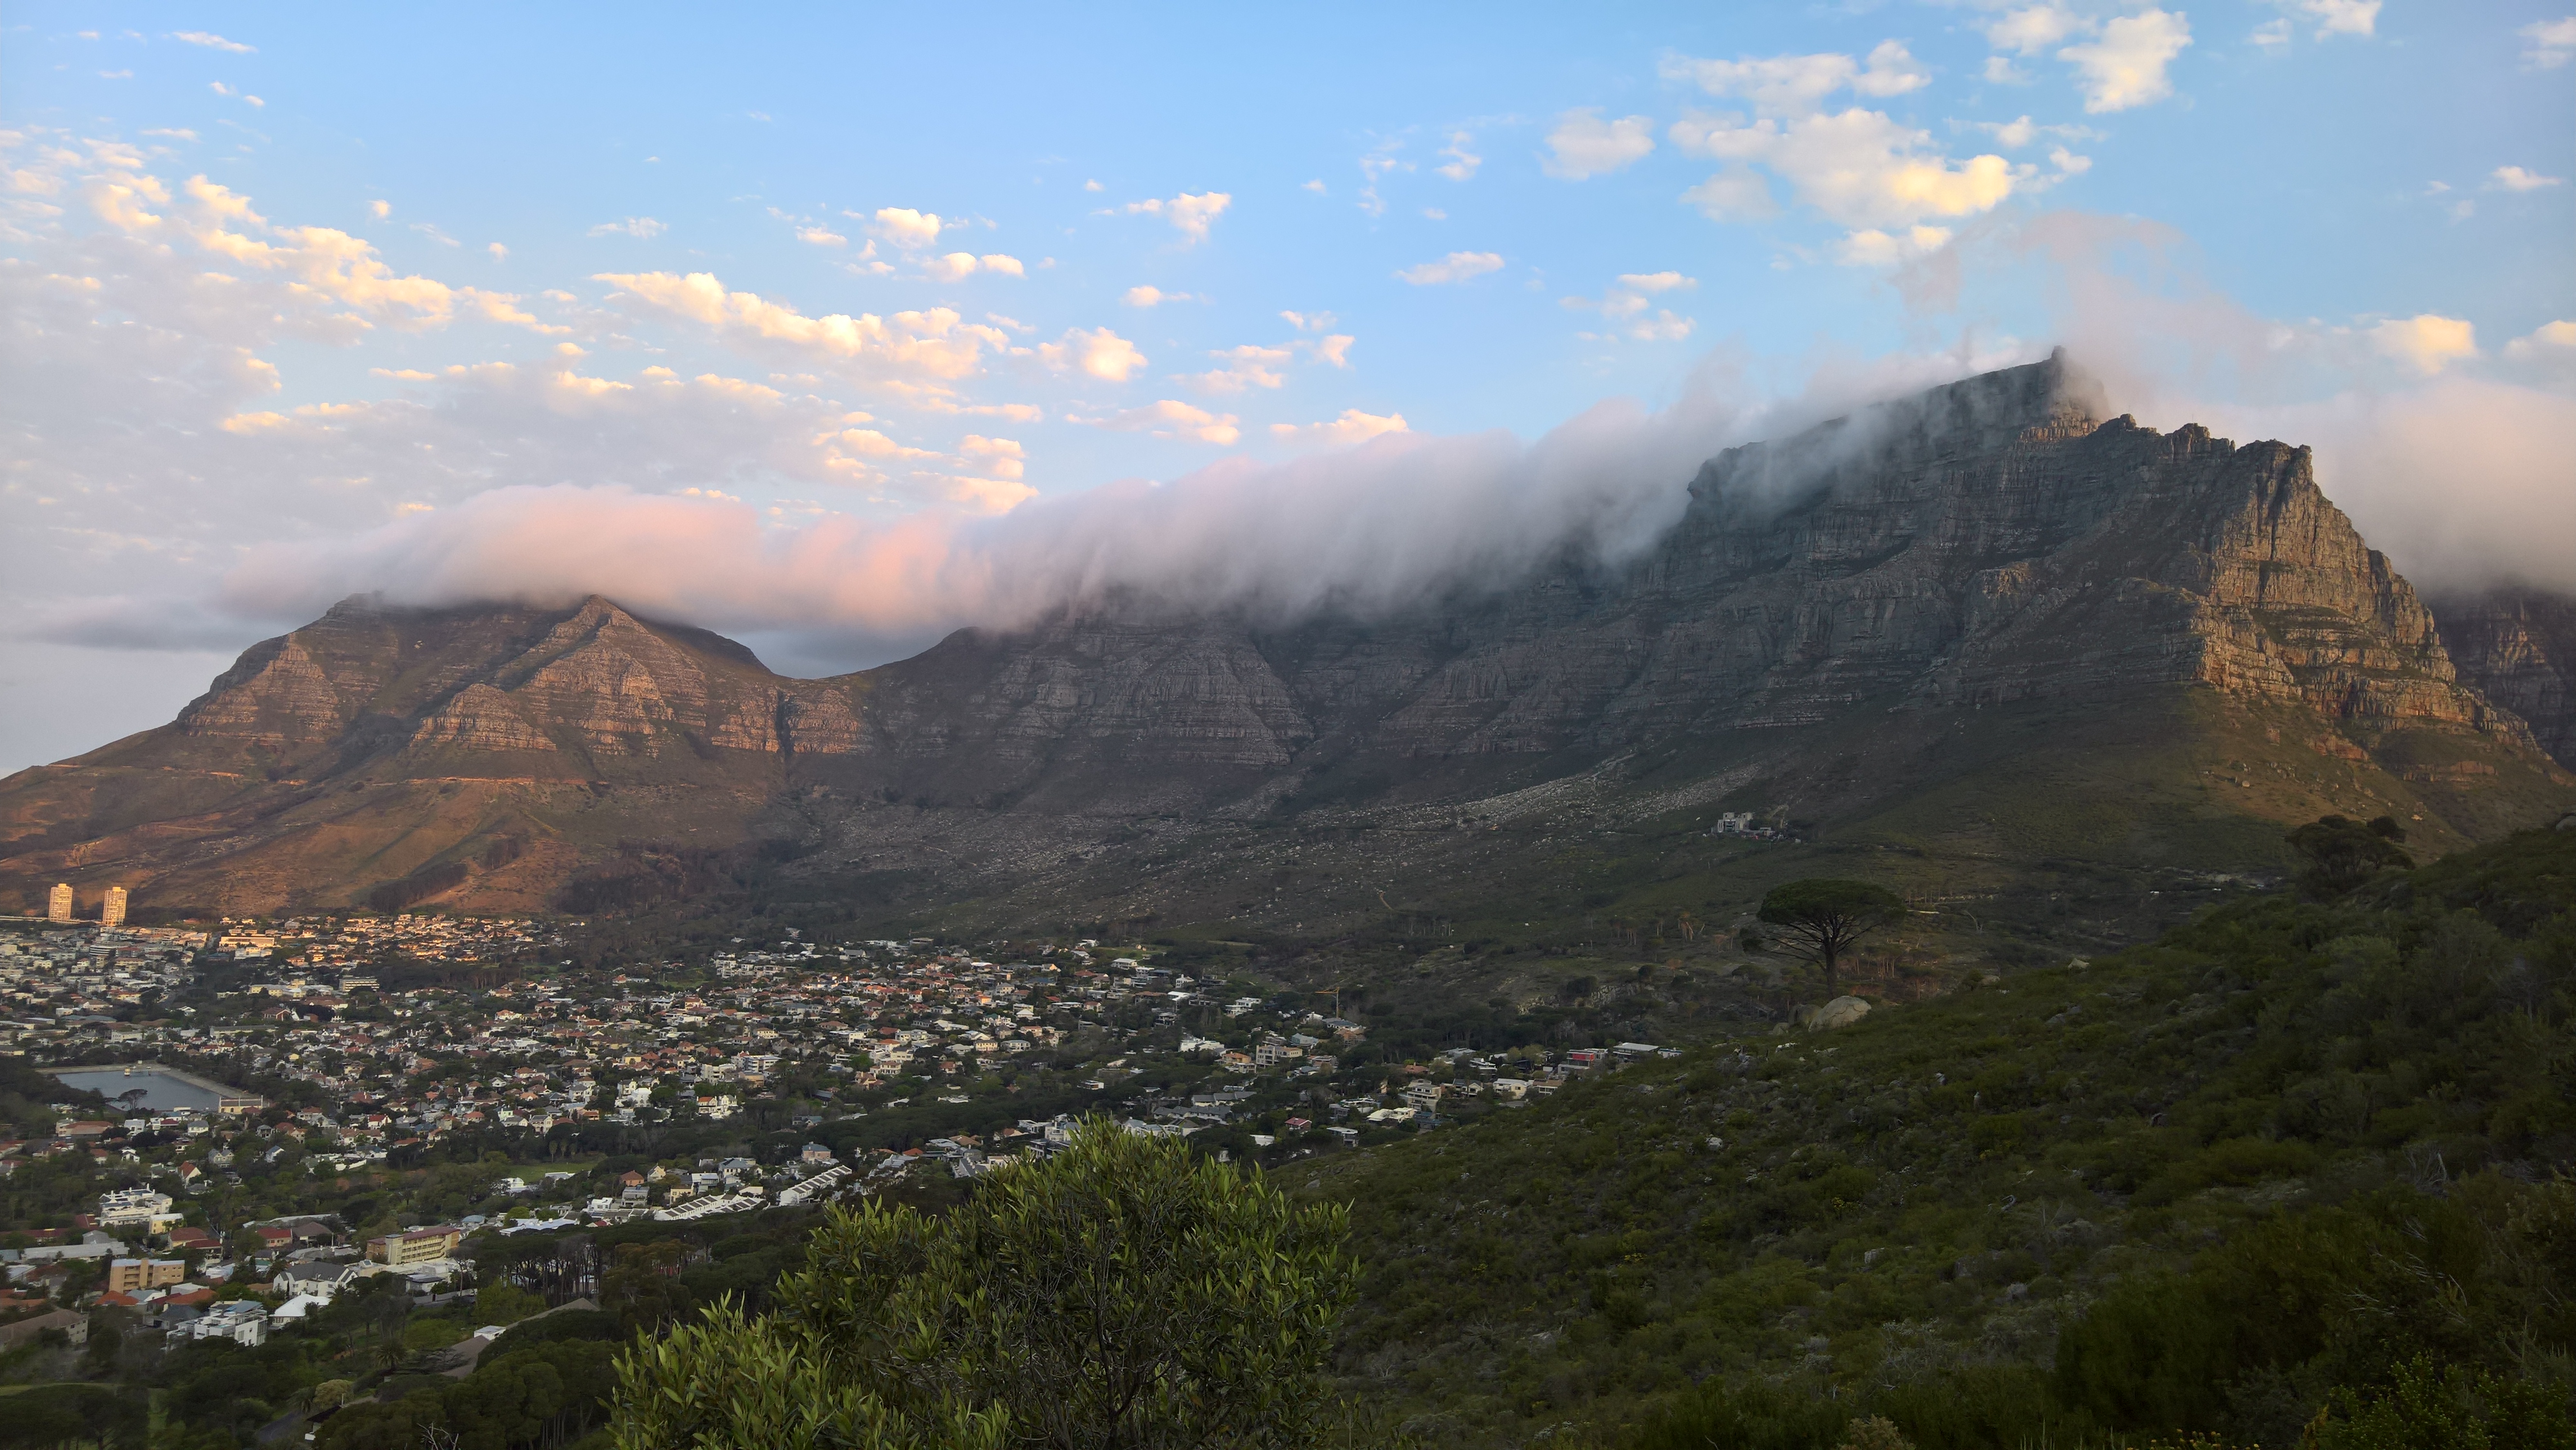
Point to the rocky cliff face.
(1911, 575)
(2518, 646)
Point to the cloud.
(2426, 341)
(957, 265)
(2341, 17)
(2125, 67)
(1737, 194)
(1792, 85)
(212, 41)
(909, 230)
(1873, 248)
(2514, 178)
(499, 252)
(1626, 300)
(1150, 296)
(1456, 267)
(821, 237)
(1190, 215)
(1857, 167)
(642, 228)
(380, 209)
(1309, 321)
(2031, 29)
(934, 343)
(1000, 457)
(1248, 366)
(1171, 418)
(1100, 353)
(2271, 34)
(1316, 186)
(1462, 163)
(1583, 145)
(1352, 427)
(2548, 44)
(2551, 342)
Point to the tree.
(2344, 853)
(1825, 916)
(1121, 1294)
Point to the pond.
(161, 1090)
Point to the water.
(160, 1089)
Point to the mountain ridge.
(1833, 615)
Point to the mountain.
(1987, 624)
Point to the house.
(414, 1246)
(132, 1276)
(1423, 1094)
(315, 1279)
(243, 1321)
(817, 1153)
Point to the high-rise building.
(111, 912)
(58, 903)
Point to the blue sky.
(311, 299)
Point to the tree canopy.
(1123, 1293)
(1824, 916)
(2343, 853)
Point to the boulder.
(1840, 1012)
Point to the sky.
(838, 328)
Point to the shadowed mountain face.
(1919, 601)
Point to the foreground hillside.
(2198, 1184)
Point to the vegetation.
(1122, 1293)
(1826, 918)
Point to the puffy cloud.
(1462, 163)
(1626, 300)
(1150, 296)
(1309, 321)
(1873, 248)
(1792, 85)
(965, 264)
(1000, 457)
(499, 252)
(642, 228)
(1584, 145)
(2341, 17)
(934, 343)
(2031, 29)
(1456, 267)
(1858, 167)
(2552, 342)
(907, 229)
(380, 209)
(1353, 426)
(212, 41)
(821, 237)
(2514, 178)
(1171, 418)
(1248, 366)
(2271, 34)
(1735, 194)
(2125, 65)
(2548, 44)
(2427, 342)
(1101, 353)
(1190, 215)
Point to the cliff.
(1917, 614)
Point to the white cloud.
(2011, 135)
(431, 231)
(1456, 267)
(1353, 426)
(1171, 418)
(499, 252)
(1316, 186)
(1873, 248)
(1151, 296)
(1309, 321)
(2125, 66)
(1093, 186)
(2342, 17)
(2550, 342)
(2031, 29)
(1248, 366)
(212, 41)
(1792, 85)
(956, 265)
(2068, 163)
(1003, 264)
(2426, 341)
(1583, 145)
(642, 228)
(2271, 33)
(935, 343)
(1000, 457)
(2548, 44)
(1736, 194)
(380, 209)
(1190, 215)
(2000, 71)
(1858, 167)
(1099, 352)
(908, 229)
(2514, 178)
(821, 237)
(1462, 163)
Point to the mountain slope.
(1893, 628)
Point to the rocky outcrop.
(2518, 646)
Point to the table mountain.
(1987, 620)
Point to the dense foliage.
(1122, 1293)
(2217, 1183)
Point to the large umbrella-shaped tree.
(1824, 916)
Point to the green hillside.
(2201, 1184)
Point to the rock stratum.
(1985, 622)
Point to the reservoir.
(161, 1088)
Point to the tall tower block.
(58, 902)
(111, 912)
